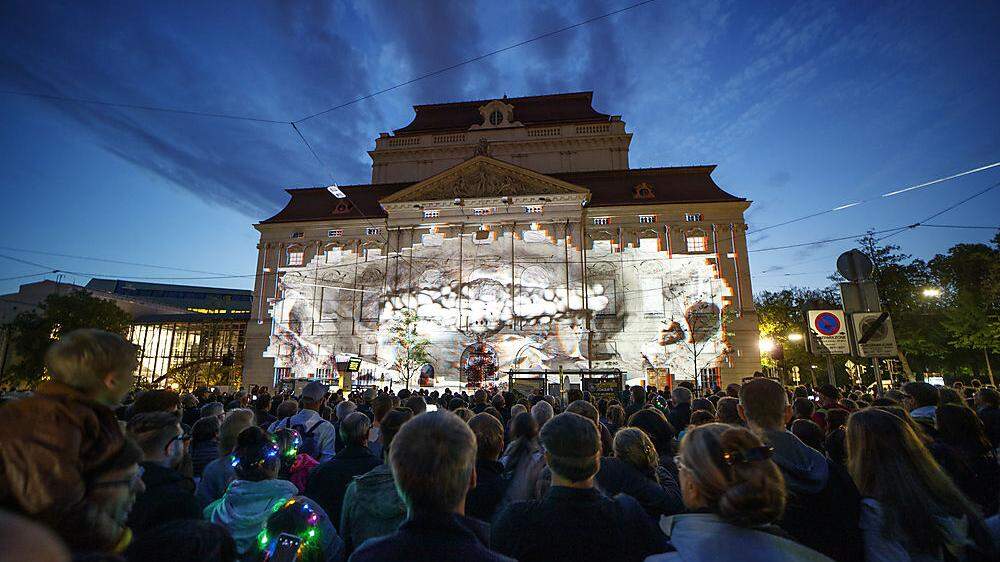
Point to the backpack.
(310, 444)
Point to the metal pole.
(878, 377)
(829, 370)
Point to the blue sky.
(803, 106)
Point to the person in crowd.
(295, 465)
(587, 410)
(703, 405)
(220, 472)
(810, 433)
(680, 414)
(961, 430)
(262, 411)
(637, 401)
(255, 493)
(169, 494)
(835, 442)
(911, 509)
(190, 407)
(465, 414)
(499, 403)
(416, 404)
(187, 540)
(286, 409)
(110, 497)
(542, 412)
(433, 464)
(727, 411)
(987, 401)
(635, 470)
(482, 501)
(213, 410)
(514, 411)
(318, 435)
(616, 418)
(302, 518)
(822, 510)
(733, 390)
(372, 506)
(523, 459)
(654, 424)
(57, 442)
(802, 409)
(24, 539)
(381, 405)
(921, 402)
(951, 396)
(157, 400)
(479, 402)
(329, 480)
(736, 494)
(342, 410)
(700, 417)
(204, 444)
(575, 521)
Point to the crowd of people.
(92, 470)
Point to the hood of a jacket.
(379, 492)
(805, 469)
(245, 507)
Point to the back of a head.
(733, 390)
(288, 441)
(655, 425)
(809, 433)
(574, 394)
(212, 409)
(638, 394)
(681, 395)
(702, 404)
(634, 447)
(479, 397)
(960, 427)
(585, 409)
(416, 404)
(616, 415)
(185, 540)
(542, 412)
(391, 424)
(732, 472)
(432, 459)
(234, 424)
(701, 417)
(950, 396)
(517, 409)
(524, 426)
(829, 392)
(81, 359)
(301, 517)
(344, 409)
(489, 436)
(764, 402)
(727, 410)
(989, 397)
(923, 394)
(572, 446)
(836, 418)
(156, 400)
(256, 455)
(354, 429)
(205, 429)
(153, 431)
(803, 408)
(381, 405)
(287, 409)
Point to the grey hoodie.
(805, 469)
(372, 507)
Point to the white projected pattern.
(533, 311)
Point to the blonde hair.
(82, 358)
(235, 422)
(634, 447)
(745, 493)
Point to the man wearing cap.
(829, 399)
(575, 521)
(313, 398)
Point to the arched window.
(697, 241)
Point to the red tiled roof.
(575, 107)
(682, 184)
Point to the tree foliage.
(33, 332)
(411, 348)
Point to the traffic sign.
(873, 334)
(828, 333)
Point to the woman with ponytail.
(735, 494)
(255, 493)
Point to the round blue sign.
(827, 324)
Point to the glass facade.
(190, 352)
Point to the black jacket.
(618, 477)
(328, 481)
(431, 537)
(990, 417)
(680, 416)
(169, 496)
(481, 502)
(576, 525)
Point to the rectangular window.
(652, 295)
(602, 220)
(335, 232)
(371, 231)
(295, 258)
(482, 211)
(692, 217)
(697, 244)
(647, 219)
(532, 209)
(297, 234)
(432, 214)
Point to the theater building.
(521, 238)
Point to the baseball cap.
(314, 391)
(829, 391)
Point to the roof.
(575, 107)
(192, 318)
(682, 184)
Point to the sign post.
(828, 336)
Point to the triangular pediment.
(483, 177)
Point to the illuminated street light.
(794, 336)
(932, 292)
(766, 345)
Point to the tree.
(781, 314)
(34, 331)
(411, 348)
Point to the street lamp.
(795, 336)
(766, 345)
(931, 292)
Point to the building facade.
(521, 238)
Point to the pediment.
(483, 177)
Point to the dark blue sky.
(803, 106)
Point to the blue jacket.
(431, 537)
(245, 507)
(215, 479)
(704, 537)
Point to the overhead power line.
(946, 209)
(108, 260)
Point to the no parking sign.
(828, 333)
